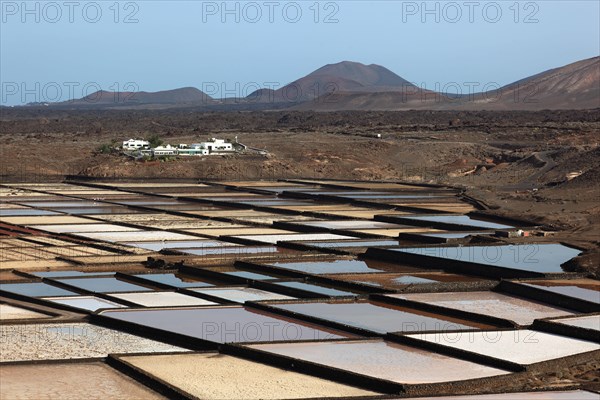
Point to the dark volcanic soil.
(542, 166)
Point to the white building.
(217, 146)
(136, 144)
(193, 150)
(167, 150)
(213, 146)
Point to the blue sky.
(56, 50)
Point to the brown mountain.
(355, 86)
(261, 95)
(574, 86)
(345, 76)
(182, 96)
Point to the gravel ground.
(69, 341)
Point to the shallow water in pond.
(544, 258)
(323, 290)
(227, 324)
(250, 275)
(345, 267)
(328, 267)
(379, 317)
(103, 285)
(242, 294)
(410, 279)
(175, 280)
(36, 289)
(460, 220)
(582, 293)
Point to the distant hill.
(182, 96)
(346, 76)
(261, 95)
(574, 86)
(355, 86)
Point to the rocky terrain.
(542, 166)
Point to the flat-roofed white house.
(213, 146)
(217, 146)
(192, 150)
(136, 144)
(167, 150)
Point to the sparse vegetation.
(107, 148)
(155, 140)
